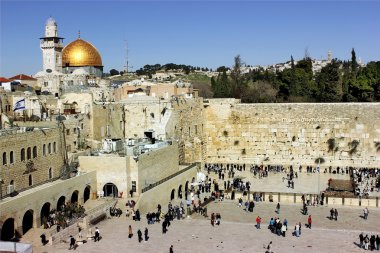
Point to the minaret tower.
(51, 46)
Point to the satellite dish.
(49, 70)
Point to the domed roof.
(80, 53)
(51, 22)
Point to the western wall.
(342, 134)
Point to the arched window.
(30, 180)
(29, 153)
(50, 173)
(54, 147)
(34, 152)
(4, 158)
(49, 148)
(44, 150)
(22, 154)
(11, 158)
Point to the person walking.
(332, 213)
(366, 212)
(309, 221)
(139, 235)
(130, 233)
(278, 208)
(97, 234)
(171, 249)
(361, 239)
(336, 214)
(72, 242)
(146, 234)
(297, 230)
(258, 221)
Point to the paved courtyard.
(237, 232)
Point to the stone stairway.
(33, 236)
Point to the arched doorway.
(172, 195)
(86, 194)
(110, 190)
(45, 211)
(8, 230)
(61, 202)
(74, 197)
(180, 191)
(186, 189)
(27, 221)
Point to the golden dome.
(80, 53)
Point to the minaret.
(329, 56)
(51, 46)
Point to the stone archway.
(45, 211)
(180, 191)
(74, 197)
(186, 189)
(61, 201)
(86, 193)
(27, 221)
(110, 190)
(8, 230)
(172, 195)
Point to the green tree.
(330, 83)
(238, 82)
(114, 72)
(222, 86)
(354, 64)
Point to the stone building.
(33, 157)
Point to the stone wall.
(43, 150)
(161, 194)
(122, 170)
(343, 134)
(108, 116)
(157, 164)
(109, 169)
(34, 199)
(189, 129)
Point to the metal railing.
(151, 186)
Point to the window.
(50, 173)
(30, 180)
(54, 147)
(81, 126)
(4, 158)
(75, 130)
(49, 148)
(22, 154)
(67, 131)
(44, 149)
(11, 158)
(34, 152)
(28, 153)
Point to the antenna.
(126, 61)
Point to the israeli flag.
(19, 105)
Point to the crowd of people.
(371, 242)
(64, 216)
(366, 181)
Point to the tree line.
(149, 70)
(338, 81)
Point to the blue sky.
(199, 33)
